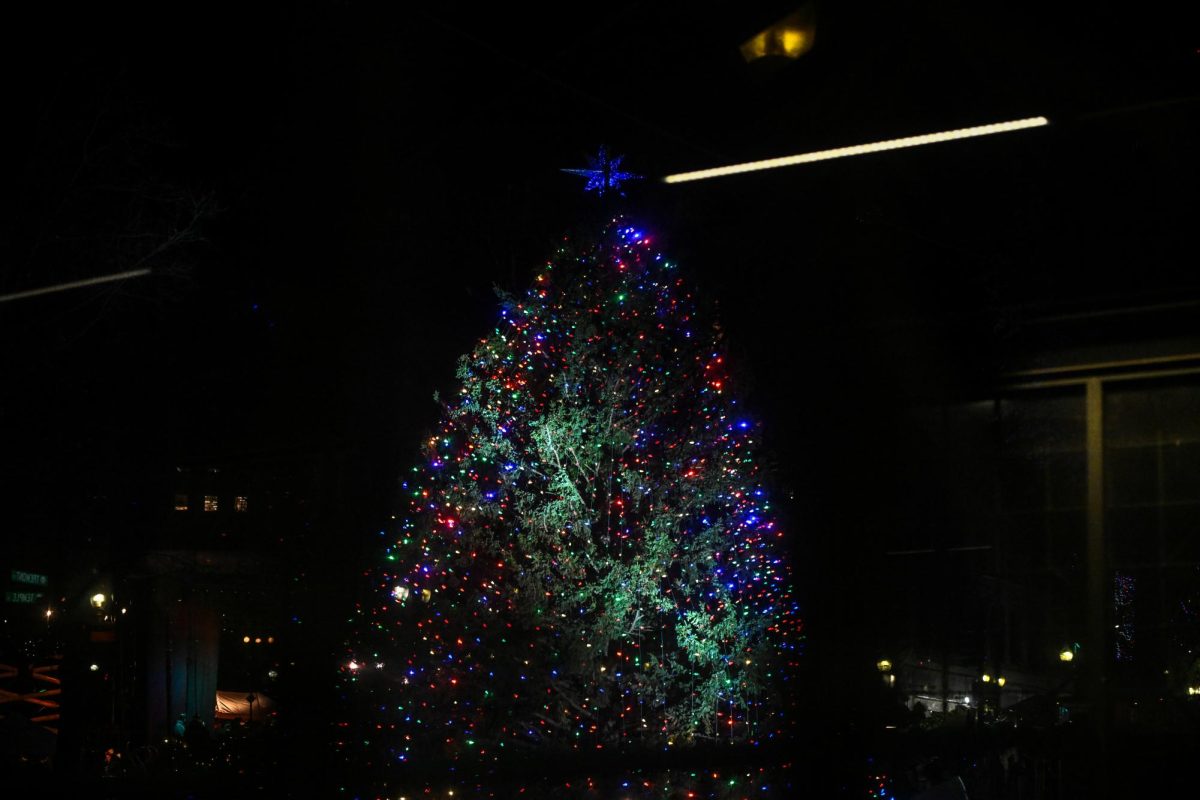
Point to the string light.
(588, 533)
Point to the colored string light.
(589, 556)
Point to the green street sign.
(31, 578)
(26, 598)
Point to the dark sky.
(366, 176)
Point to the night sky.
(360, 179)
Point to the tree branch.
(571, 702)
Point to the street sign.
(31, 578)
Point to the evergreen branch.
(557, 687)
(548, 721)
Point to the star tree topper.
(604, 173)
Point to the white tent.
(243, 705)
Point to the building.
(1057, 544)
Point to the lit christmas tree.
(589, 557)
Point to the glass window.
(1152, 525)
(1005, 531)
(210, 502)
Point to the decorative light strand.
(589, 555)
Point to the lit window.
(789, 38)
(210, 502)
(181, 502)
(240, 503)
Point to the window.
(789, 38)
(210, 502)
(240, 503)
(1008, 476)
(1152, 513)
(181, 502)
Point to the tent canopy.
(237, 705)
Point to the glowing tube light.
(62, 287)
(858, 149)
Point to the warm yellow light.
(858, 149)
(790, 37)
(986, 678)
(62, 287)
(258, 640)
(785, 42)
(1001, 681)
(245, 640)
(1193, 690)
(49, 613)
(884, 665)
(99, 599)
(1067, 655)
(794, 42)
(755, 47)
(270, 640)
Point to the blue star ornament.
(604, 173)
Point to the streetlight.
(99, 599)
(1066, 655)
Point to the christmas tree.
(589, 556)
